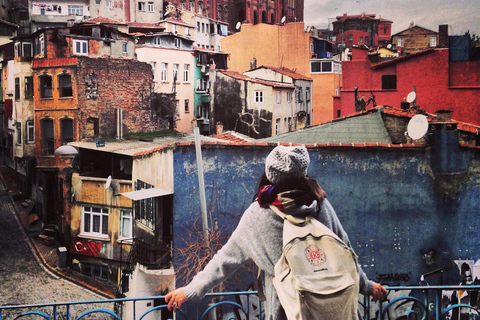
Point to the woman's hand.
(175, 299)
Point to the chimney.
(70, 23)
(443, 36)
(253, 63)
(219, 128)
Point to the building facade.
(415, 39)
(289, 46)
(363, 29)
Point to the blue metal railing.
(405, 303)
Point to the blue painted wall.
(386, 199)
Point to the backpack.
(316, 276)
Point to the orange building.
(289, 46)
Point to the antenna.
(417, 127)
(238, 26)
(411, 97)
(108, 183)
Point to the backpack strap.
(288, 217)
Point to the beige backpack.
(317, 276)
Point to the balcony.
(407, 302)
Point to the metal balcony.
(401, 303)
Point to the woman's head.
(285, 163)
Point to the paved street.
(23, 279)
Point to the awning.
(146, 193)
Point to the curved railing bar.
(110, 312)
(37, 313)
(406, 298)
(157, 308)
(222, 303)
(459, 306)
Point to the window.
(187, 107)
(141, 6)
(433, 41)
(279, 96)
(150, 7)
(361, 39)
(95, 221)
(156, 40)
(153, 64)
(298, 94)
(41, 44)
(108, 3)
(175, 71)
(163, 72)
(198, 26)
(174, 28)
(17, 88)
(19, 132)
(65, 85)
(91, 128)
(30, 131)
(389, 82)
(312, 47)
(45, 86)
(350, 37)
(75, 10)
(400, 42)
(277, 126)
(66, 127)
(289, 96)
(366, 39)
(187, 31)
(126, 224)
(186, 73)
(47, 143)
(145, 209)
(80, 47)
(125, 48)
(307, 94)
(26, 49)
(96, 271)
(29, 88)
(177, 42)
(259, 96)
(202, 85)
(325, 66)
(192, 6)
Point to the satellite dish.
(389, 46)
(283, 19)
(417, 126)
(239, 24)
(411, 97)
(108, 183)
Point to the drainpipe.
(201, 186)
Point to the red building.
(363, 29)
(252, 11)
(439, 83)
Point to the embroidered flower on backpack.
(315, 256)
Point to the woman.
(258, 235)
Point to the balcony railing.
(402, 303)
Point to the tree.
(165, 105)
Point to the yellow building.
(289, 46)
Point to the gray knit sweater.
(258, 236)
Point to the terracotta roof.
(102, 20)
(239, 76)
(233, 137)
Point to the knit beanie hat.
(286, 163)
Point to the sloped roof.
(239, 76)
(413, 55)
(425, 30)
(285, 71)
(102, 20)
(368, 128)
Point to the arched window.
(47, 138)
(45, 82)
(66, 130)
(255, 17)
(65, 85)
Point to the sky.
(460, 15)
